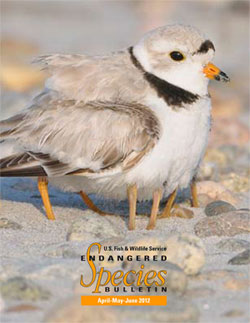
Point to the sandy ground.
(33, 252)
(40, 251)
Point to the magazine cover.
(124, 161)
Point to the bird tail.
(20, 165)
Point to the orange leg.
(90, 204)
(43, 189)
(155, 207)
(169, 205)
(132, 199)
(172, 209)
(194, 195)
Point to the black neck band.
(171, 94)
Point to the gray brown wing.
(59, 137)
(95, 78)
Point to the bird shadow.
(24, 190)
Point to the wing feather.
(60, 137)
(94, 78)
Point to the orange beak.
(214, 73)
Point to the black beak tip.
(223, 77)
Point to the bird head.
(180, 55)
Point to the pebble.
(206, 171)
(186, 251)
(8, 224)
(236, 284)
(236, 183)
(22, 308)
(21, 77)
(242, 258)
(182, 212)
(216, 191)
(232, 245)
(204, 200)
(234, 313)
(19, 288)
(72, 311)
(177, 310)
(226, 224)
(218, 207)
(92, 227)
(199, 292)
(64, 251)
(216, 156)
(213, 275)
(176, 280)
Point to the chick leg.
(132, 199)
(194, 195)
(155, 207)
(172, 209)
(168, 207)
(43, 189)
(90, 204)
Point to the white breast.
(172, 163)
(176, 157)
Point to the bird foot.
(182, 212)
(178, 211)
(105, 213)
(91, 204)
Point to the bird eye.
(177, 56)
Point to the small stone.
(226, 224)
(216, 156)
(199, 292)
(218, 207)
(204, 199)
(217, 274)
(241, 259)
(12, 73)
(236, 284)
(64, 251)
(23, 308)
(176, 280)
(232, 245)
(206, 171)
(8, 224)
(177, 310)
(92, 227)
(18, 288)
(233, 313)
(72, 311)
(216, 191)
(2, 304)
(186, 251)
(182, 212)
(236, 183)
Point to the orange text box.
(124, 300)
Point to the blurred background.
(31, 28)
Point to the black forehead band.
(204, 47)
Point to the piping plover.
(134, 123)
